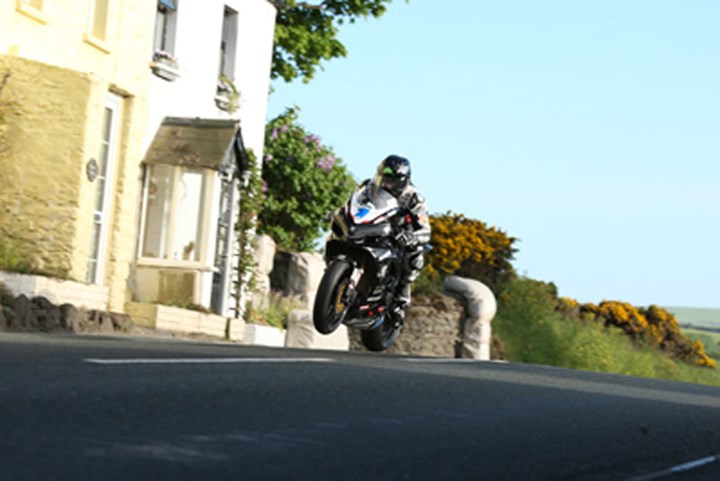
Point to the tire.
(329, 310)
(382, 337)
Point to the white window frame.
(228, 44)
(205, 259)
(33, 9)
(90, 36)
(113, 103)
(169, 27)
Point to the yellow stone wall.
(59, 79)
(44, 117)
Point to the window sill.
(165, 71)
(32, 12)
(172, 264)
(96, 42)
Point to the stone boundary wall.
(453, 324)
(82, 295)
(24, 314)
(433, 328)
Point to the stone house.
(123, 127)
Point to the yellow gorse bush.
(470, 248)
(653, 325)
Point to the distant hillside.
(697, 317)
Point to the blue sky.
(589, 130)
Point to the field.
(710, 339)
(697, 317)
(700, 324)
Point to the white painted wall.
(197, 47)
(198, 34)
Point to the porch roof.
(199, 143)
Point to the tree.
(306, 34)
(303, 180)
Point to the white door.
(103, 189)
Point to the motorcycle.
(364, 255)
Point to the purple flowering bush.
(304, 182)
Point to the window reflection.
(174, 213)
(157, 217)
(187, 228)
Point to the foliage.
(251, 201)
(710, 340)
(306, 34)
(165, 57)
(533, 330)
(6, 296)
(304, 182)
(653, 325)
(524, 309)
(275, 314)
(469, 248)
(187, 305)
(428, 283)
(226, 89)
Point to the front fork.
(349, 293)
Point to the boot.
(403, 294)
(402, 300)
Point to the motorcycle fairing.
(370, 204)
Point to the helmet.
(393, 174)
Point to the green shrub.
(711, 340)
(275, 313)
(304, 182)
(652, 326)
(526, 310)
(533, 331)
(427, 283)
(6, 296)
(188, 305)
(470, 248)
(251, 201)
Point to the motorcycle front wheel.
(383, 336)
(330, 303)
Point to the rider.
(393, 175)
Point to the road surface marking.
(209, 360)
(681, 468)
(447, 360)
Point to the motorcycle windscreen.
(369, 203)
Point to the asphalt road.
(111, 408)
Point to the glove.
(408, 238)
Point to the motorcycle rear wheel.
(330, 308)
(383, 336)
